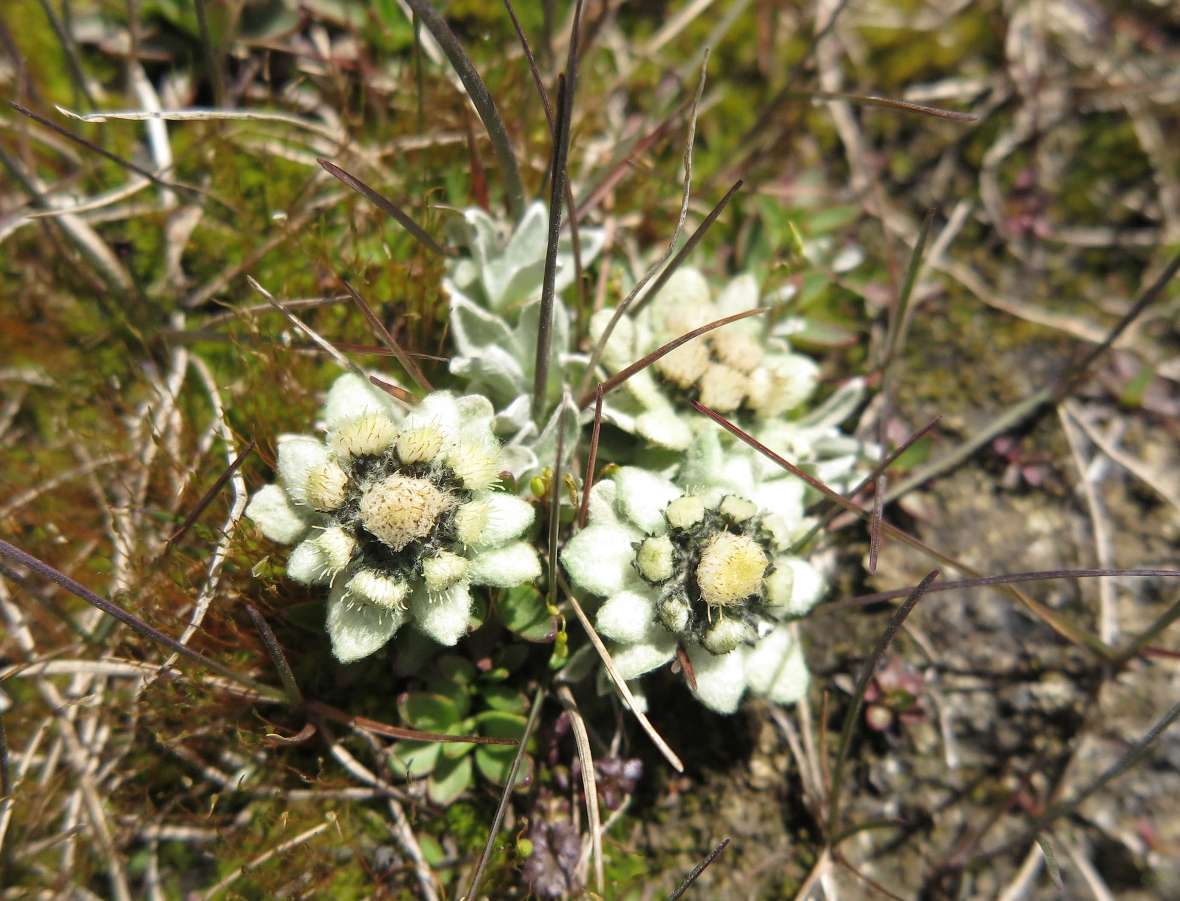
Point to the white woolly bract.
(272, 512)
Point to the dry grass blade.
(509, 784)
(284, 847)
(878, 597)
(621, 684)
(208, 496)
(864, 483)
(278, 658)
(538, 81)
(618, 169)
(904, 106)
(893, 340)
(12, 552)
(1133, 755)
(311, 333)
(409, 364)
(685, 196)
(1146, 299)
(549, 280)
(386, 206)
(589, 781)
(1057, 623)
(643, 362)
(397, 392)
(689, 246)
(1141, 641)
(852, 716)
(695, 873)
(94, 148)
(481, 99)
(591, 459)
(212, 57)
(365, 724)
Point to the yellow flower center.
(400, 509)
(730, 569)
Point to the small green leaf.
(414, 759)
(501, 697)
(494, 762)
(830, 219)
(450, 779)
(454, 668)
(500, 724)
(523, 612)
(428, 712)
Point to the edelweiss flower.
(396, 513)
(702, 570)
(738, 369)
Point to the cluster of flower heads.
(397, 510)
(396, 513)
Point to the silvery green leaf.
(565, 417)
(474, 329)
(838, 407)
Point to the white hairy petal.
(298, 455)
(627, 617)
(807, 587)
(783, 497)
(506, 567)
(442, 616)
(307, 563)
(507, 517)
(632, 660)
(350, 396)
(642, 497)
(664, 428)
(601, 510)
(720, 678)
(598, 558)
(776, 668)
(439, 409)
(739, 295)
(356, 628)
(272, 512)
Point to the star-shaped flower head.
(396, 512)
(703, 570)
(739, 369)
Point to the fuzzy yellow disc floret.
(400, 509)
(419, 445)
(730, 569)
(327, 485)
(369, 433)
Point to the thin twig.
(589, 782)
(548, 283)
(277, 657)
(620, 683)
(208, 496)
(509, 785)
(388, 207)
(477, 91)
(852, 716)
(643, 362)
(696, 871)
(591, 459)
(409, 364)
